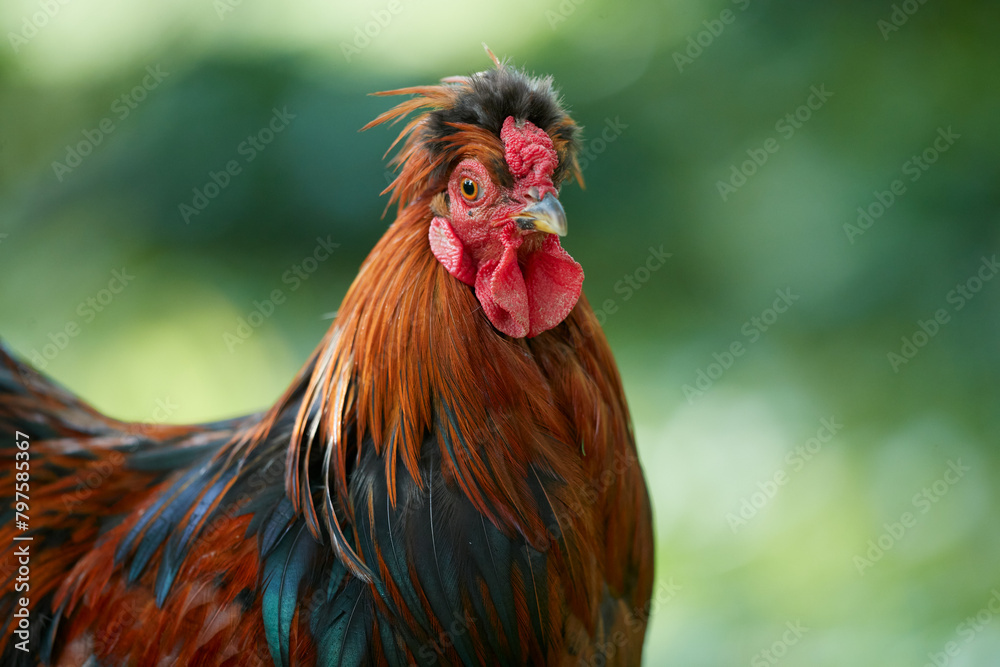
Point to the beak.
(546, 216)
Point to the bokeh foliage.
(160, 341)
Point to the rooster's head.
(487, 157)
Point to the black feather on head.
(488, 98)
(453, 113)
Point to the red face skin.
(523, 278)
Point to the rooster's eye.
(469, 189)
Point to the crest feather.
(462, 117)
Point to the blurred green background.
(867, 544)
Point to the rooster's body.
(451, 479)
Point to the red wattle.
(526, 303)
(503, 294)
(553, 281)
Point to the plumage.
(450, 479)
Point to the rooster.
(451, 479)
